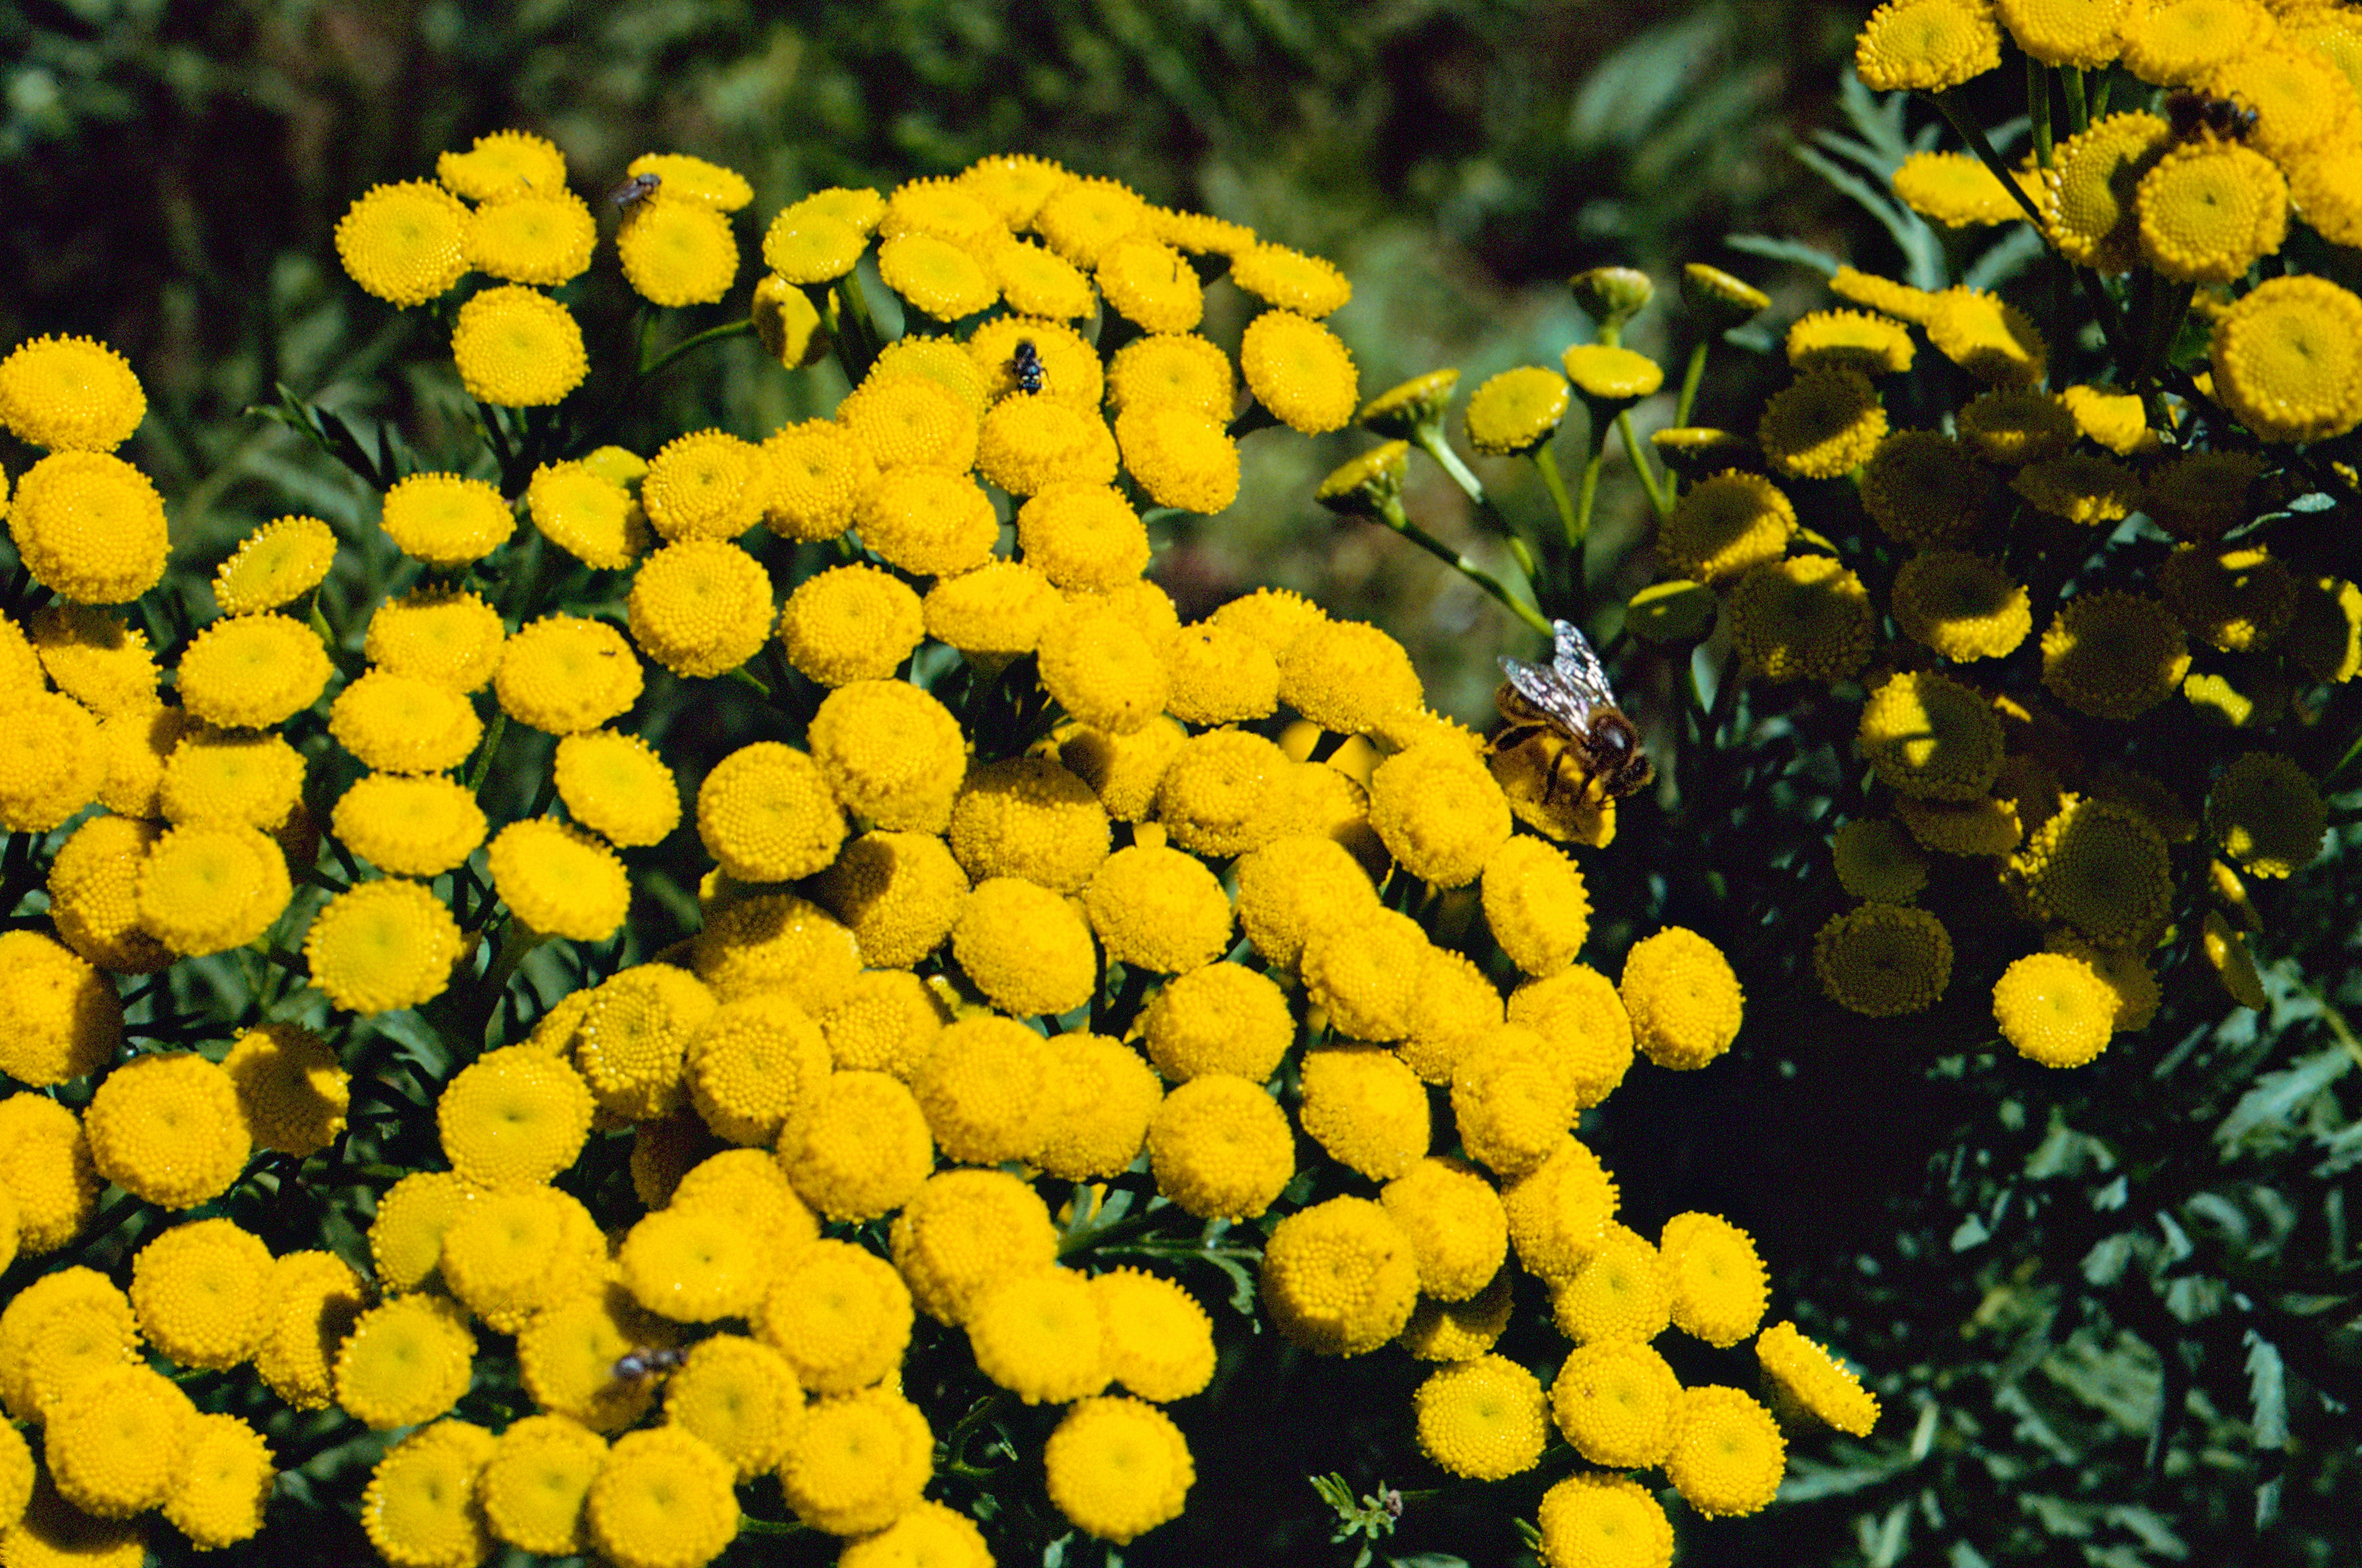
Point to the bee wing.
(1571, 687)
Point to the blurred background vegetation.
(2073, 1292)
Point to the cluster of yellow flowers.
(1168, 922)
(2055, 582)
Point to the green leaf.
(2267, 1392)
(2276, 1097)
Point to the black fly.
(1025, 361)
(2224, 119)
(638, 1366)
(632, 191)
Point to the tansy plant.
(2001, 662)
(1057, 972)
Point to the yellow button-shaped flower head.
(2089, 207)
(292, 1089)
(91, 526)
(984, 1086)
(1482, 1420)
(1882, 960)
(2102, 867)
(903, 419)
(201, 1293)
(1366, 974)
(1148, 282)
(559, 880)
(777, 942)
(1366, 1109)
(1038, 1334)
(1457, 1230)
(936, 277)
(405, 243)
(1439, 812)
(382, 946)
(2267, 812)
(1597, 1517)
(1683, 1000)
(962, 1232)
(225, 1479)
(840, 1315)
(536, 237)
(754, 1065)
(766, 813)
(516, 347)
(1301, 372)
(315, 1298)
(617, 786)
(1805, 1381)
(533, 1485)
(253, 670)
(2209, 210)
(1081, 218)
(567, 1355)
(1027, 817)
(447, 520)
(402, 724)
(1102, 1096)
(631, 1043)
(1182, 457)
(1822, 425)
(1026, 948)
(513, 1117)
(891, 752)
(406, 1361)
(1719, 1282)
(2054, 1008)
(502, 163)
(930, 1533)
(589, 517)
(997, 613)
(677, 251)
(1339, 1278)
(1222, 1018)
(858, 1463)
(1118, 1468)
(2288, 359)
(114, 1444)
(1172, 367)
(1728, 1455)
(1725, 525)
(1623, 1292)
(511, 1253)
(70, 394)
(701, 607)
(694, 1267)
(850, 623)
(1925, 45)
(420, 1506)
(63, 1018)
(1926, 734)
(1617, 1403)
(1156, 908)
(167, 1127)
(1159, 1341)
(741, 1398)
(410, 826)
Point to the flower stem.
(699, 340)
(2079, 113)
(2038, 108)
(1971, 132)
(1691, 379)
(858, 344)
(1429, 436)
(1658, 501)
(1391, 514)
(1555, 484)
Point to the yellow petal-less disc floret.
(402, 724)
(277, 563)
(70, 394)
(754, 1065)
(167, 1127)
(1081, 218)
(210, 887)
(1806, 1382)
(1339, 1278)
(1599, 1521)
(1803, 617)
(2089, 207)
(1622, 1292)
(928, 521)
(1728, 1455)
(2101, 867)
(252, 671)
(1481, 1419)
(405, 242)
(1517, 409)
(850, 623)
(1172, 367)
(706, 485)
(115, 1443)
(2209, 209)
(741, 1398)
(1961, 606)
(447, 520)
(677, 251)
(2288, 359)
(935, 276)
(691, 179)
(1457, 1230)
(559, 880)
(1439, 812)
(1182, 457)
(566, 1357)
(2054, 1008)
(91, 526)
(694, 1265)
(1039, 283)
(1925, 488)
(1220, 1148)
(1039, 1336)
(820, 471)
(1148, 282)
(564, 674)
(533, 1487)
(1026, 947)
(905, 419)
(1684, 1001)
(766, 813)
(1926, 734)
(199, 1290)
(516, 347)
(1987, 336)
(382, 946)
(94, 895)
(701, 607)
(64, 1022)
(223, 1483)
(513, 1117)
(1156, 908)
(1720, 1286)
(291, 1087)
(2113, 655)
(1291, 280)
(53, 762)
(503, 163)
(2268, 813)
(840, 1315)
(858, 1463)
(1118, 1468)
(1366, 1109)
(1821, 424)
(891, 752)
(540, 237)
(2177, 42)
(1029, 818)
(590, 518)
(861, 1149)
(409, 825)
(1883, 959)
(1158, 1341)
(1926, 45)
(617, 786)
(1027, 443)
(662, 1498)
(1724, 524)
(901, 892)
(96, 658)
(1954, 189)
(1617, 1403)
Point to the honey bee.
(630, 192)
(1567, 706)
(2224, 119)
(639, 1365)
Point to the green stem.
(858, 345)
(1252, 418)
(2038, 108)
(697, 341)
(492, 733)
(2079, 113)
(1555, 482)
(1579, 526)
(1430, 440)
(1948, 104)
(1391, 514)
(1658, 502)
(1691, 378)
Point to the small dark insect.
(2224, 119)
(1568, 700)
(633, 190)
(1025, 361)
(638, 1366)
